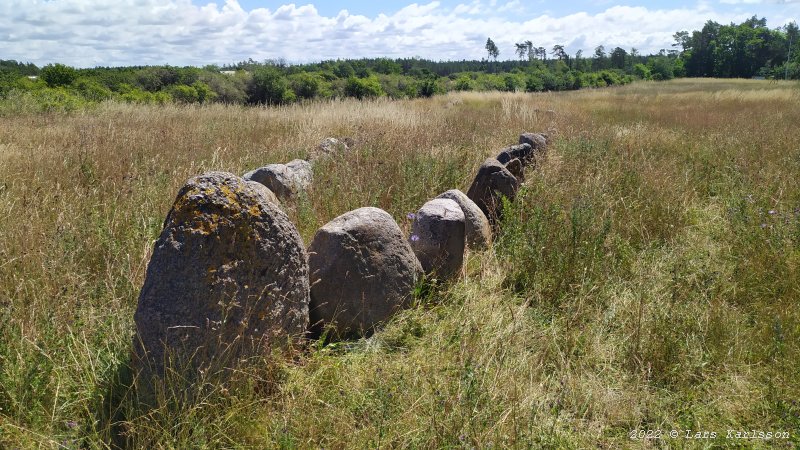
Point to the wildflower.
(763, 225)
(772, 212)
(71, 424)
(414, 238)
(411, 216)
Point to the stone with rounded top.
(264, 191)
(228, 279)
(438, 237)
(286, 181)
(331, 147)
(522, 152)
(537, 141)
(476, 225)
(492, 182)
(517, 169)
(362, 272)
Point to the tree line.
(744, 50)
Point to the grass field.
(647, 278)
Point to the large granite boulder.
(228, 279)
(476, 225)
(438, 237)
(362, 271)
(285, 180)
(492, 182)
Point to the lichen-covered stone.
(492, 182)
(362, 271)
(228, 279)
(286, 181)
(438, 237)
(477, 229)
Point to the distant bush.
(56, 75)
(307, 85)
(641, 71)
(360, 88)
(269, 86)
(93, 91)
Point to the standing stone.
(492, 182)
(362, 271)
(228, 279)
(523, 152)
(264, 191)
(476, 225)
(515, 166)
(438, 237)
(285, 180)
(330, 147)
(537, 141)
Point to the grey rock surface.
(330, 147)
(476, 225)
(537, 141)
(228, 279)
(492, 182)
(516, 168)
(522, 152)
(286, 181)
(438, 237)
(362, 272)
(264, 191)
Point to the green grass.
(647, 277)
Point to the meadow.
(646, 278)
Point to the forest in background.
(745, 50)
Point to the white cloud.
(132, 32)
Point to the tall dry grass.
(647, 277)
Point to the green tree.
(305, 85)
(559, 53)
(522, 50)
(269, 86)
(361, 88)
(618, 57)
(599, 60)
(58, 75)
(492, 49)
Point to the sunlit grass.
(647, 277)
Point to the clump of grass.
(646, 276)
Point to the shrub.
(368, 87)
(641, 71)
(269, 86)
(306, 85)
(463, 83)
(92, 90)
(56, 75)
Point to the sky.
(89, 33)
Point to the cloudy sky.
(88, 33)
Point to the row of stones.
(230, 276)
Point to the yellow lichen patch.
(231, 194)
(254, 210)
